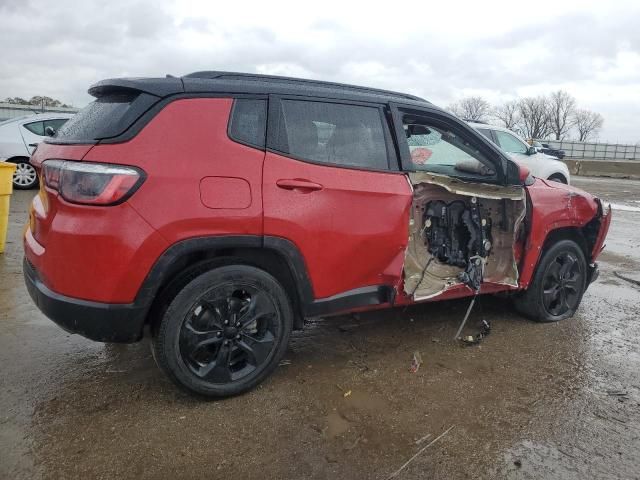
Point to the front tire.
(558, 284)
(556, 177)
(225, 331)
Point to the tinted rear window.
(100, 119)
(332, 133)
(249, 122)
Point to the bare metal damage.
(496, 202)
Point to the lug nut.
(237, 337)
(219, 334)
(238, 324)
(226, 322)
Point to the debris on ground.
(406, 464)
(284, 363)
(630, 280)
(415, 362)
(346, 394)
(420, 440)
(485, 330)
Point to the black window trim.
(439, 117)
(492, 135)
(275, 117)
(262, 148)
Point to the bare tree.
(534, 117)
(474, 109)
(507, 114)
(587, 123)
(562, 107)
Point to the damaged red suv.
(215, 212)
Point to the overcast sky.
(441, 51)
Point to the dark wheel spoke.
(257, 349)
(197, 339)
(567, 265)
(260, 306)
(219, 370)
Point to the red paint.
(555, 205)
(225, 192)
(351, 226)
(352, 232)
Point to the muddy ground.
(539, 401)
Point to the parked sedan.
(541, 165)
(546, 149)
(18, 139)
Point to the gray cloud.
(59, 50)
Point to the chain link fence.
(595, 150)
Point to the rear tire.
(224, 332)
(558, 284)
(25, 177)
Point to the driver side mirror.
(532, 151)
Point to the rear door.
(332, 186)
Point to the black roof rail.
(213, 75)
(475, 121)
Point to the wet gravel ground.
(533, 401)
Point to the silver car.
(540, 164)
(18, 139)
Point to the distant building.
(12, 110)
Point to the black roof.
(233, 82)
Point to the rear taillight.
(91, 183)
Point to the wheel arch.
(180, 262)
(584, 237)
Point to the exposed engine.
(456, 234)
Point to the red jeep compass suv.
(221, 209)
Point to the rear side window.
(332, 133)
(55, 123)
(103, 118)
(35, 127)
(249, 122)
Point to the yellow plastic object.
(6, 187)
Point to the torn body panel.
(445, 240)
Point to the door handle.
(298, 184)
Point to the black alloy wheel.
(558, 284)
(562, 284)
(229, 334)
(225, 331)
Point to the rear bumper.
(102, 322)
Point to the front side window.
(509, 143)
(35, 127)
(435, 148)
(332, 133)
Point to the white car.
(18, 139)
(540, 164)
